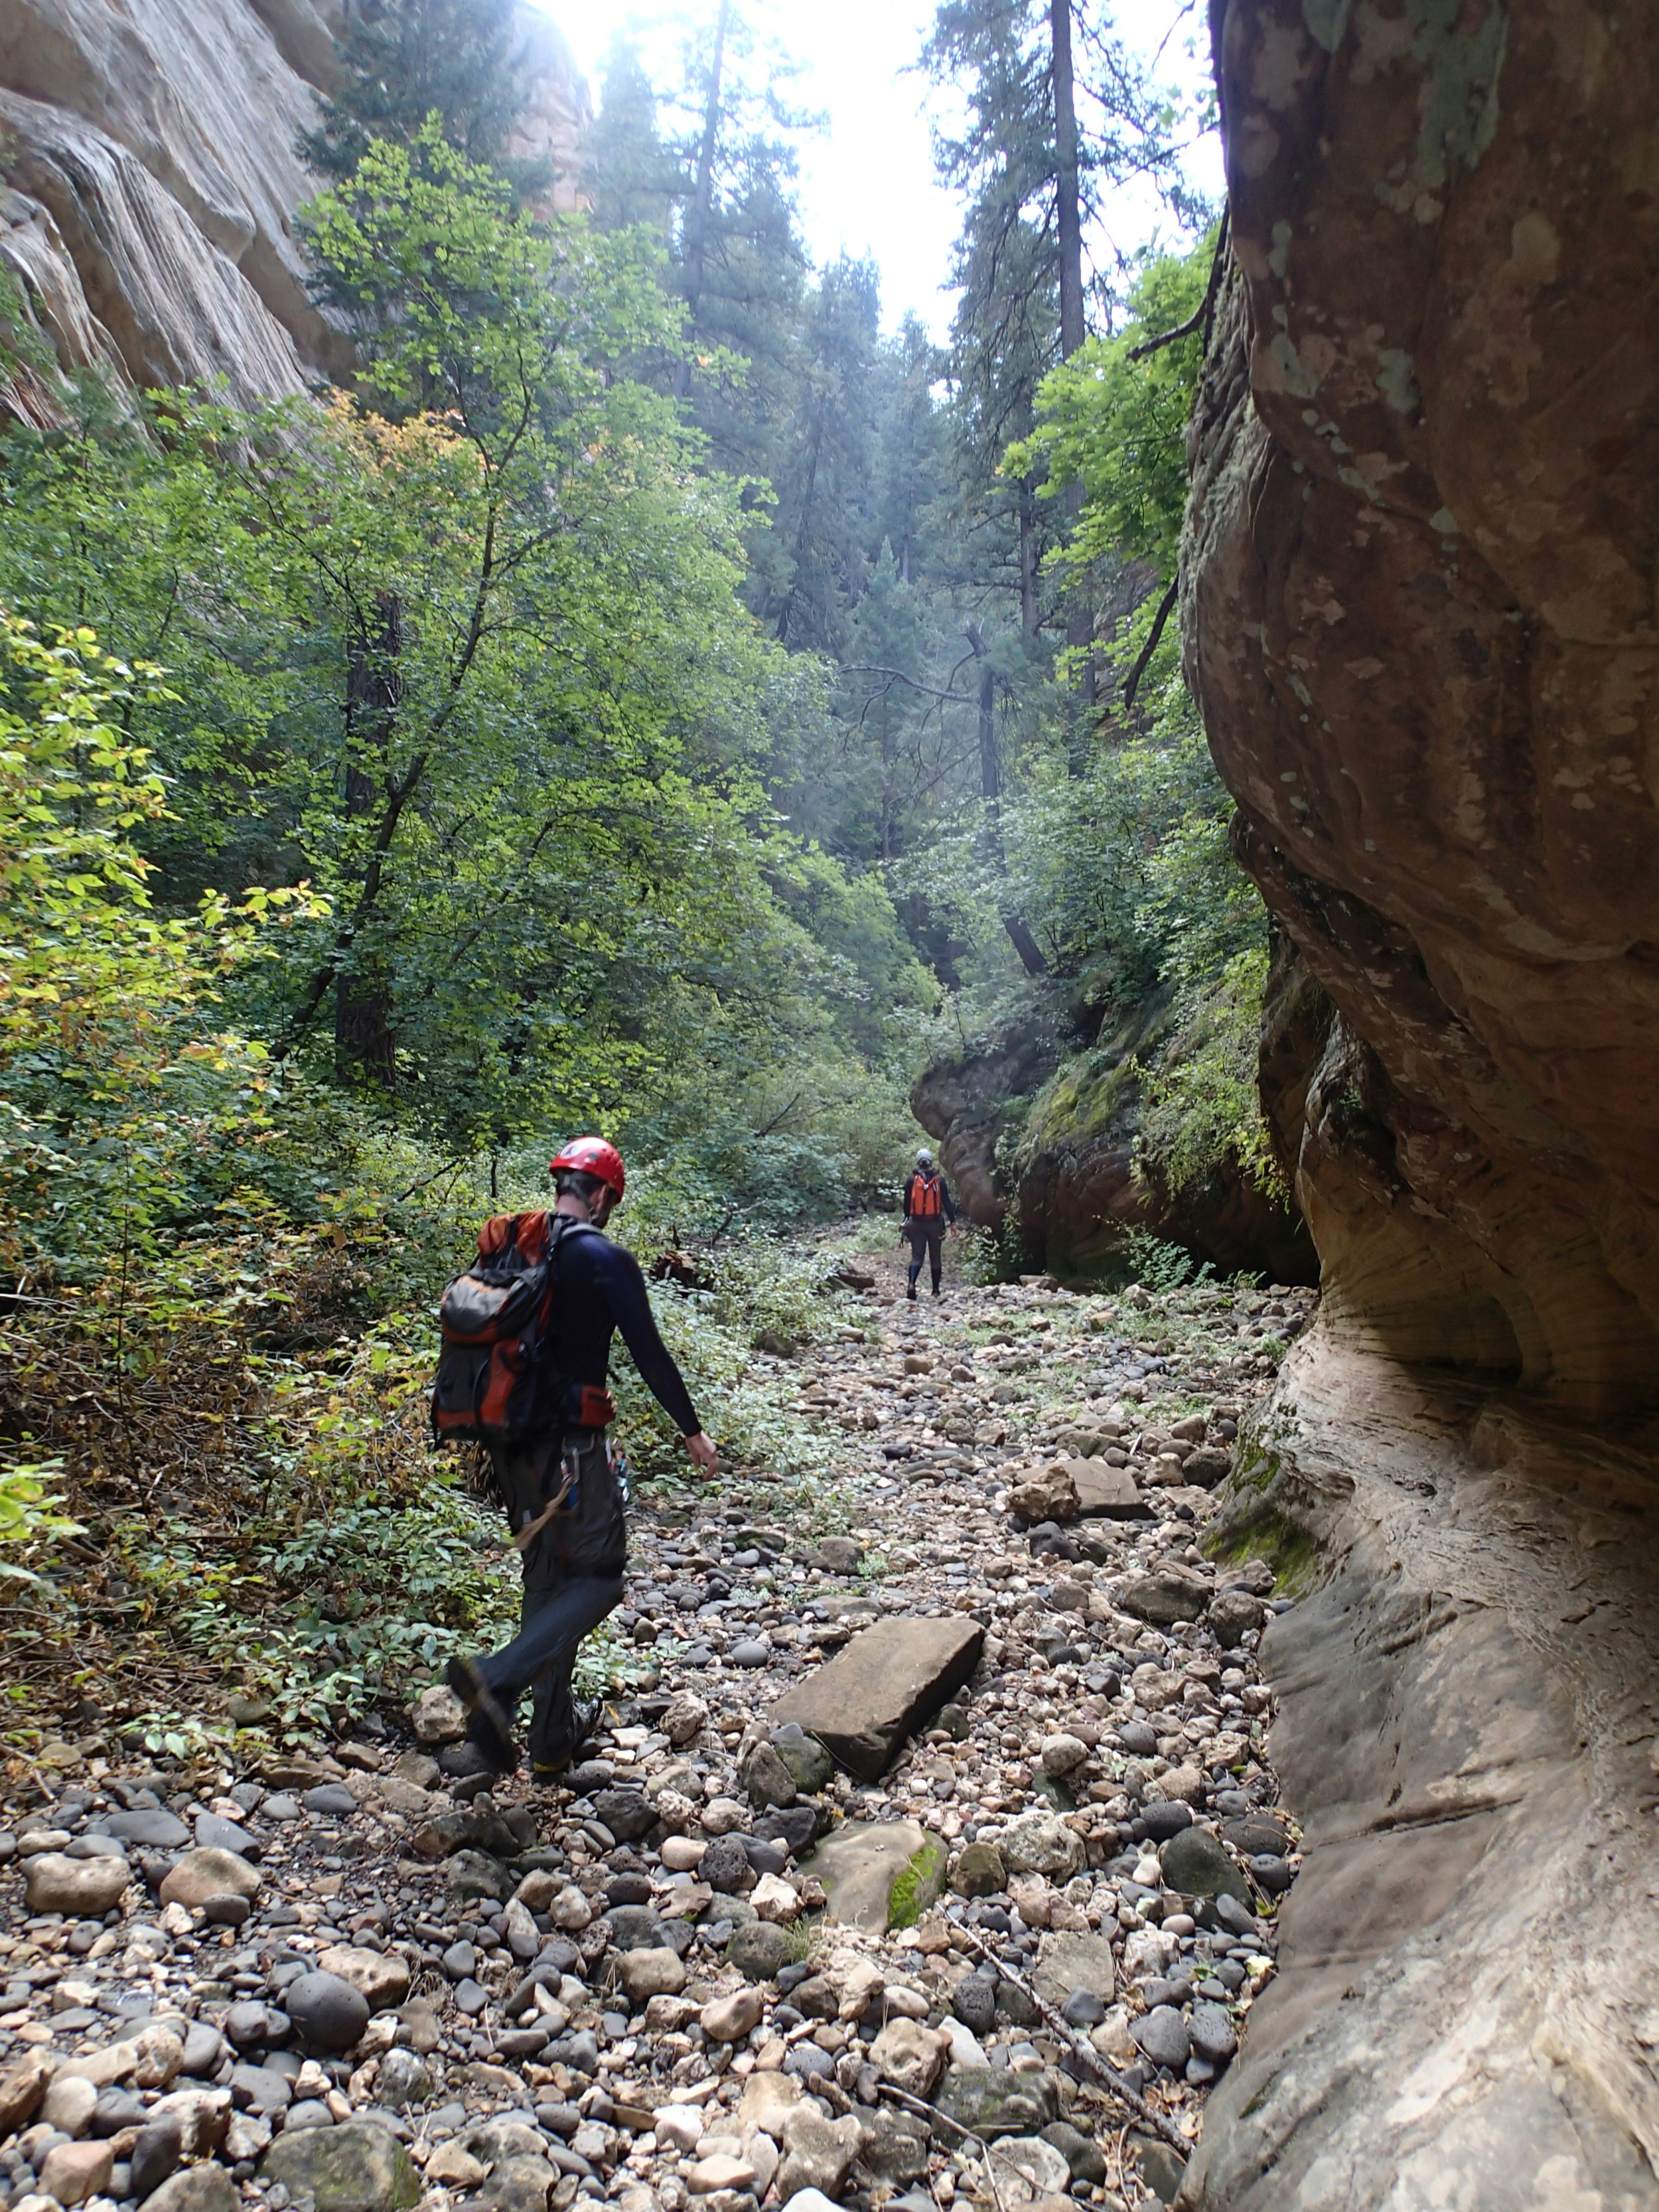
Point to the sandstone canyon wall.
(1419, 606)
(146, 149)
(1040, 1131)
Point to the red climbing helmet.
(593, 1156)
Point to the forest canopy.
(651, 694)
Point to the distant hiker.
(527, 1336)
(927, 1208)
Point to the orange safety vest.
(926, 1196)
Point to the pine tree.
(398, 60)
(1032, 172)
(634, 175)
(826, 504)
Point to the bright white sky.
(866, 181)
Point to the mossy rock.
(917, 1885)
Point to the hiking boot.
(910, 1293)
(586, 1713)
(487, 1722)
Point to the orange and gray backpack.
(927, 1195)
(498, 1378)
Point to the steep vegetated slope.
(1418, 609)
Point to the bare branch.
(898, 676)
(1200, 320)
(1143, 659)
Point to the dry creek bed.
(376, 1977)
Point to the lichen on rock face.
(1421, 636)
(1418, 612)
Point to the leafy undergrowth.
(223, 1510)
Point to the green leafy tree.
(1112, 419)
(112, 1060)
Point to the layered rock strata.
(1467, 1708)
(150, 178)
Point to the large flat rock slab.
(866, 1701)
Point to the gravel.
(1089, 1742)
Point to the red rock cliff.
(1419, 614)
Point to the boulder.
(760, 1950)
(1041, 1843)
(810, 1766)
(205, 2187)
(909, 2056)
(979, 1871)
(1165, 1597)
(82, 1889)
(1027, 2168)
(72, 2172)
(1161, 2035)
(208, 1871)
(878, 1874)
(1046, 1493)
(1067, 1962)
(882, 1686)
(71, 2102)
(650, 1973)
(817, 2151)
(328, 2011)
(1104, 1493)
(1197, 1865)
(629, 1814)
(1234, 1613)
(22, 2091)
(720, 2173)
(767, 1780)
(727, 2019)
(155, 1829)
(354, 2167)
(381, 1978)
(685, 1720)
(896, 2145)
(204, 2117)
(995, 2101)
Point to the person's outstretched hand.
(703, 1455)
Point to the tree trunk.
(1067, 212)
(807, 496)
(364, 1045)
(990, 790)
(1031, 614)
(696, 231)
(1069, 221)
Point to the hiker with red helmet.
(564, 1503)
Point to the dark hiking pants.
(573, 1577)
(927, 1239)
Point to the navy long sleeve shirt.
(601, 1290)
